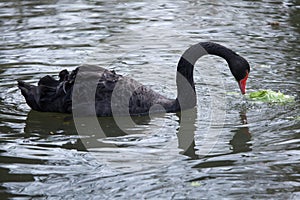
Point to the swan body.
(112, 93)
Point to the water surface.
(255, 153)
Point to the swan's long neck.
(219, 50)
(186, 95)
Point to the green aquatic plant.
(195, 184)
(270, 96)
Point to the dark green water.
(255, 153)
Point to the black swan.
(57, 95)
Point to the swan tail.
(24, 87)
(30, 93)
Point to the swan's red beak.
(242, 84)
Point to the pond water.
(245, 150)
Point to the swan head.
(240, 69)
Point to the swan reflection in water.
(241, 136)
(54, 124)
(46, 125)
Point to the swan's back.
(113, 93)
